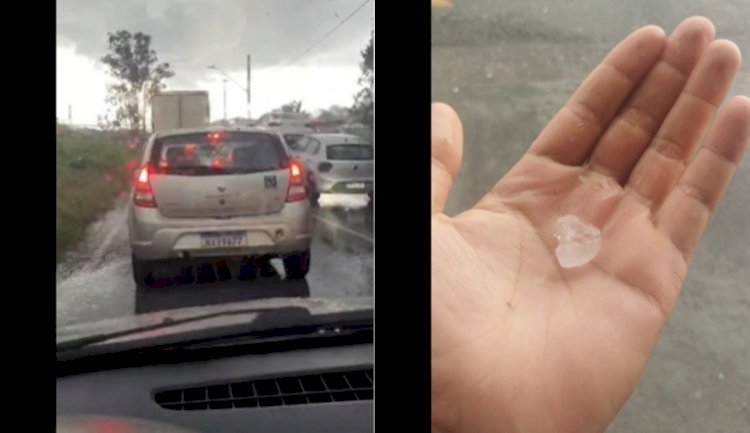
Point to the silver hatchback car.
(337, 163)
(219, 193)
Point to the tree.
(363, 100)
(135, 65)
(332, 114)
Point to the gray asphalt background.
(507, 67)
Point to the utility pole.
(224, 85)
(246, 90)
(249, 114)
(70, 114)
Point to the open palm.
(520, 343)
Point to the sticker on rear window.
(270, 182)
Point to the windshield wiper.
(268, 322)
(280, 314)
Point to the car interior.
(274, 387)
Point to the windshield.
(173, 192)
(507, 67)
(349, 151)
(228, 153)
(291, 139)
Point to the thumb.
(447, 149)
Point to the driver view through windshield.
(212, 156)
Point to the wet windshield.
(349, 151)
(216, 154)
(173, 191)
(507, 67)
(291, 139)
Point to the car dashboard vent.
(323, 387)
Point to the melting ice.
(579, 241)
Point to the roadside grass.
(91, 173)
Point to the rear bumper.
(329, 185)
(155, 237)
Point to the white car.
(337, 164)
(219, 193)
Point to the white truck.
(179, 109)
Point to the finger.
(664, 160)
(632, 130)
(447, 150)
(571, 134)
(686, 211)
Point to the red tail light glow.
(144, 195)
(296, 182)
(218, 163)
(294, 169)
(215, 137)
(143, 176)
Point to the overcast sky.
(192, 34)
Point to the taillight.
(296, 182)
(295, 170)
(144, 195)
(325, 166)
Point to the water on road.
(96, 281)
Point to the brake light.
(215, 136)
(325, 166)
(143, 177)
(144, 195)
(218, 163)
(296, 182)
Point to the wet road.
(507, 67)
(96, 281)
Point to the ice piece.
(579, 241)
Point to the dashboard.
(311, 390)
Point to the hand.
(521, 344)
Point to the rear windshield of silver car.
(217, 153)
(291, 139)
(348, 152)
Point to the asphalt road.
(96, 281)
(507, 67)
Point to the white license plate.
(355, 185)
(223, 240)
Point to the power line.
(329, 33)
(216, 68)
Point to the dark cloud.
(192, 34)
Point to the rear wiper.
(280, 314)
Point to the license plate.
(222, 240)
(355, 185)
